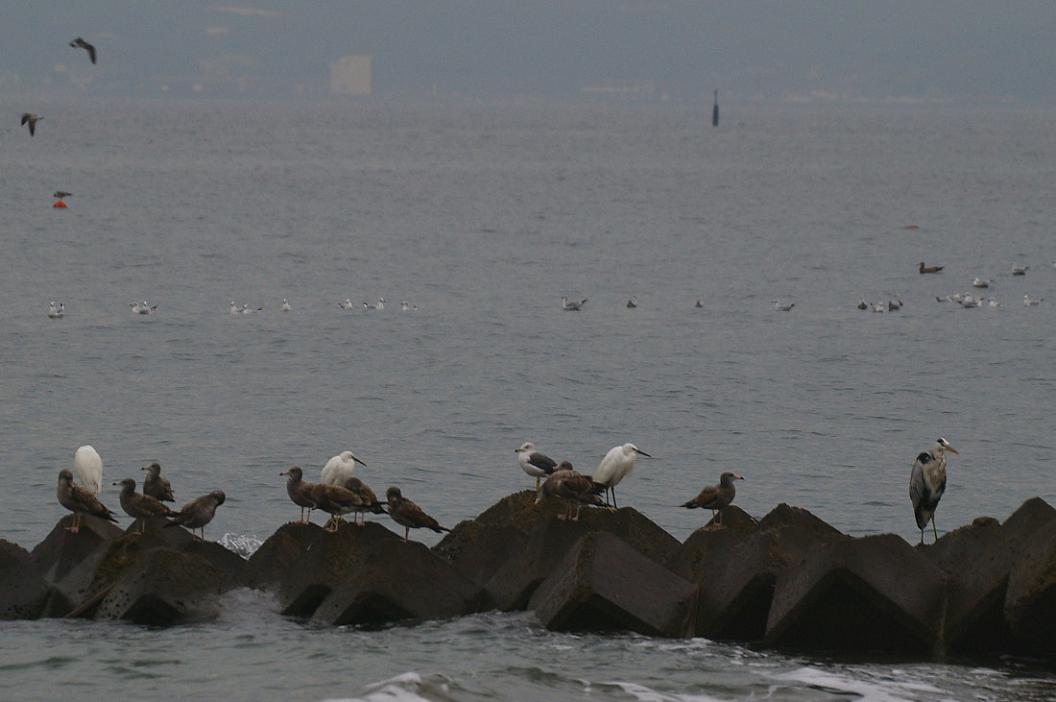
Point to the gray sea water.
(484, 215)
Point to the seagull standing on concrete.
(616, 464)
(300, 492)
(198, 512)
(156, 486)
(715, 497)
(409, 515)
(79, 501)
(927, 483)
(533, 463)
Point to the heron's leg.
(934, 529)
(921, 537)
(406, 534)
(537, 483)
(614, 497)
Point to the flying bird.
(31, 119)
(80, 43)
(927, 483)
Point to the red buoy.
(59, 204)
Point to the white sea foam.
(406, 687)
(242, 544)
(869, 690)
(646, 694)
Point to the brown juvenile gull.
(409, 515)
(574, 487)
(299, 491)
(715, 497)
(927, 483)
(141, 507)
(80, 501)
(198, 512)
(156, 486)
(929, 269)
(80, 43)
(368, 499)
(335, 501)
(31, 119)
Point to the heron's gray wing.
(916, 485)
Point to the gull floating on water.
(572, 305)
(285, 305)
(31, 119)
(407, 307)
(980, 283)
(927, 483)
(56, 311)
(698, 305)
(894, 305)
(783, 307)
(1029, 301)
(88, 468)
(879, 307)
(80, 43)
(615, 466)
(631, 304)
(142, 308)
(533, 463)
(379, 306)
(347, 304)
(929, 269)
(409, 515)
(715, 497)
(80, 501)
(1020, 270)
(862, 304)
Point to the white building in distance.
(351, 75)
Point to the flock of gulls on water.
(340, 492)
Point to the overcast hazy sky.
(956, 49)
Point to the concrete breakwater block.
(67, 561)
(735, 564)
(23, 593)
(512, 585)
(403, 580)
(874, 593)
(604, 584)
(1030, 602)
(359, 575)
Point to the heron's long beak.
(642, 453)
(953, 450)
(359, 462)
